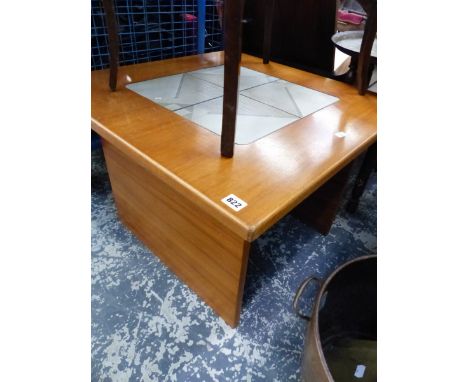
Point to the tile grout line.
(252, 87)
(239, 93)
(221, 96)
(253, 99)
(294, 102)
(274, 107)
(194, 104)
(180, 86)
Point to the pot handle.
(298, 295)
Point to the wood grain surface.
(204, 254)
(272, 175)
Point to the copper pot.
(341, 340)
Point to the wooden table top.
(272, 175)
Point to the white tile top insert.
(266, 104)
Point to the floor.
(148, 326)
(265, 104)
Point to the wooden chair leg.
(368, 165)
(233, 11)
(269, 8)
(113, 34)
(370, 32)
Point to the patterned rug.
(148, 326)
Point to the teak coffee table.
(168, 177)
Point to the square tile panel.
(255, 120)
(177, 91)
(266, 103)
(294, 99)
(247, 79)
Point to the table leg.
(269, 12)
(233, 11)
(202, 252)
(320, 209)
(368, 165)
(370, 31)
(112, 31)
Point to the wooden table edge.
(278, 213)
(236, 225)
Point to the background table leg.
(370, 31)
(267, 31)
(368, 165)
(320, 209)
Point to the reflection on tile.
(292, 98)
(248, 78)
(177, 91)
(254, 119)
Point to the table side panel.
(206, 255)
